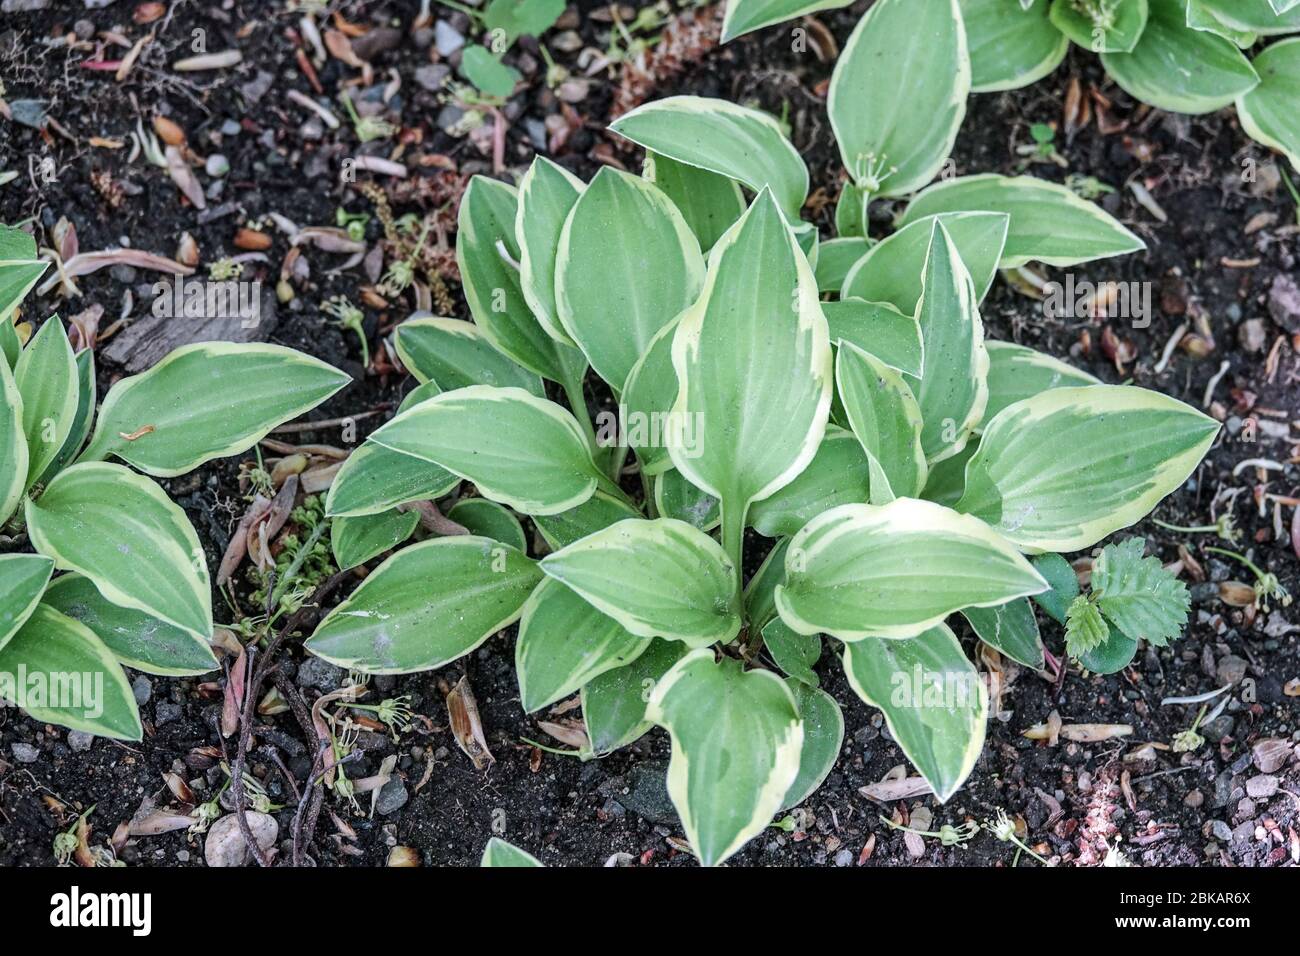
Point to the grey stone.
(166, 712)
(844, 858)
(319, 674)
(1262, 786)
(1221, 830)
(256, 88)
(23, 6)
(647, 793)
(1271, 755)
(392, 797)
(25, 753)
(142, 688)
(1284, 302)
(1231, 669)
(447, 38)
(80, 741)
(431, 76)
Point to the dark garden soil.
(1222, 260)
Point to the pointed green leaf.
(1010, 46)
(487, 519)
(933, 700)
(1111, 656)
(1258, 16)
(886, 422)
(14, 457)
(760, 599)
(375, 479)
(1112, 27)
(1063, 585)
(426, 606)
(1201, 17)
(947, 478)
(455, 354)
(746, 16)
(499, 853)
(647, 400)
(736, 739)
(880, 329)
(356, 540)
(1062, 470)
(708, 201)
(794, 653)
(487, 73)
(17, 277)
(86, 392)
(596, 513)
(837, 475)
(22, 582)
(1268, 111)
(516, 18)
(46, 376)
(823, 736)
(836, 259)
(675, 497)
(1138, 595)
(546, 195)
(861, 571)
(16, 244)
(1017, 373)
(614, 703)
(1010, 629)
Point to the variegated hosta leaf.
(14, 457)
(660, 578)
(794, 653)
(10, 345)
(1282, 6)
(675, 497)
(46, 375)
(1062, 470)
(614, 703)
(86, 688)
(564, 642)
(836, 259)
(746, 16)
(1017, 373)
(879, 328)
(647, 400)
(952, 392)
(823, 735)
(760, 600)
(426, 606)
(488, 519)
(1201, 17)
(518, 449)
(708, 201)
(122, 531)
(488, 256)
(356, 540)
(19, 272)
(626, 266)
(736, 738)
(136, 639)
(837, 475)
(1268, 112)
(499, 853)
(454, 353)
(1010, 629)
(753, 363)
(861, 571)
(898, 94)
(205, 401)
(725, 138)
(947, 478)
(81, 419)
(886, 423)
(22, 582)
(933, 700)
(1049, 223)
(892, 271)
(852, 211)
(375, 479)
(1257, 16)
(1156, 72)
(546, 195)
(599, 511)
(1115, 27)
(1010, 46)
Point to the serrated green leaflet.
(614, 703)
(13, 445)
(1085, 629)
(836, 259)
(454, 354)
(861, 571)
(1061, 470)
(933, 700)
(746, 16)
(675, 497)
(427, 605)
(205, 401)
(596, 513)
(660, 578)
(46, 375)
(886, 423)
(1049, 223)
(22, 581)
(546, 194)
(1157, 70)
(1010, 47)
(892, 270)
(724, 138)
(84, 687)
(879, 328)
(794, 653)
(823, 735)
(487, 519)
(86, 392)
(564, 642)
(837, 475)
(499, 853)
(519, 449)
(898, 94)
(627, 265)
(952, 391)
(122, 531)
(136, 639)
(708, 201)
(736, 741)
(753, 363)
(1268, 112)
(1138, 595)
(1017, 373)
(374, 479)
(1115, 27)
(356, 540)
(1010, 629)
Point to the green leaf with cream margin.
(1010, 629)
(861, 571)
(722, 137)
(46, 375)
(14, 457)
(546, 195)
(455, 354)
(932, 698)
(614, 702)
(354, 541)
(1268, 112)
(1257, 16)
(122, 531)
(708, 201)
(746, 16)
(500, 854)
(1064, 469)
(626, 266)
(823, 736)
(898, 94)
(1017, 373)
(374, 479)
(838, 475)
(1049, 223)
(427, 605)
(23, 578)
(206, 401)
(736, 741)
(754, 369)
(1114, 30)
(886, 422)
(520, 450)
(880, 329)
(1010, 47)
(659, 578)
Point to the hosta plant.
(832, 414)
(118, 575)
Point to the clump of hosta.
(133, 585)
(832, 406)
